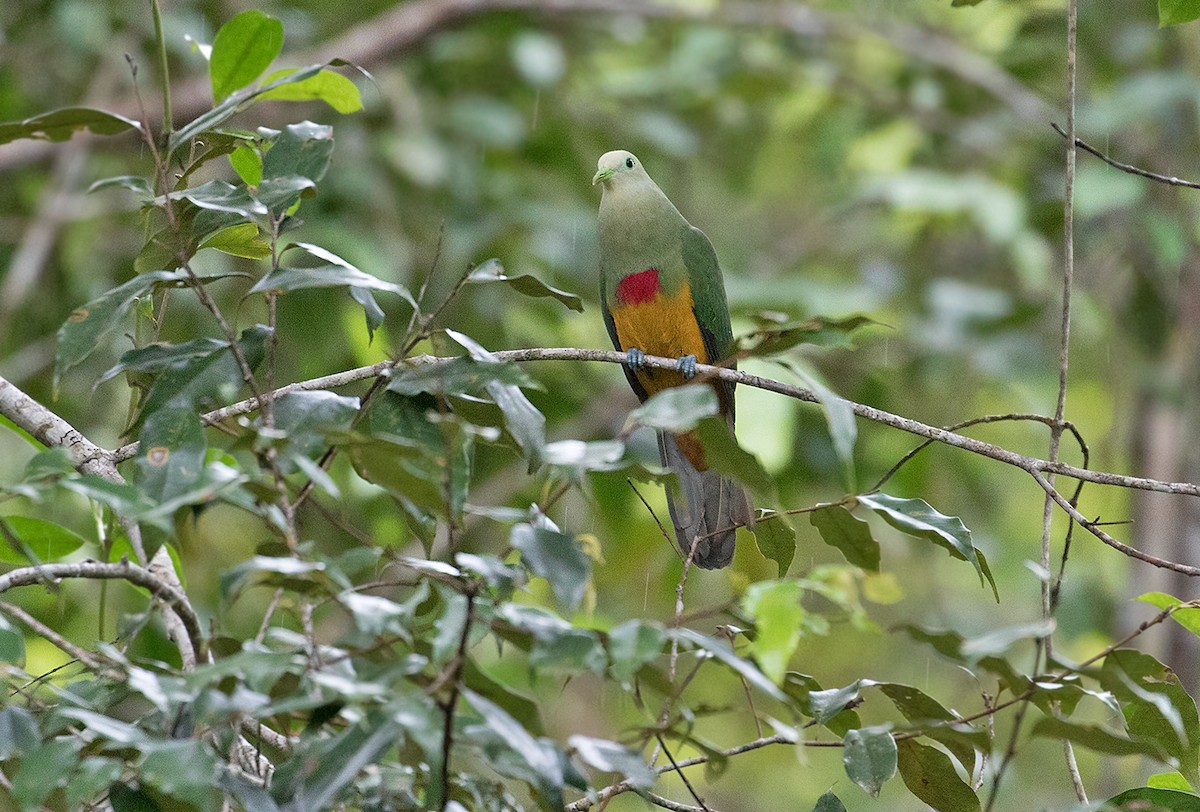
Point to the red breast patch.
(638, 288)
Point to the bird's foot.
(687, 365)
(634, 358)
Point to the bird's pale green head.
(617, 165)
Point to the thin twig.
(1128, 168)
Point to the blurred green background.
(887, 158)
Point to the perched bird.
(662, 294)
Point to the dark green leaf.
(1145, 799)
(159, 356)
(611, 757)
(1174, 12)
(134, 183)
(824, 705)
(776, 540)
(676, 409)
(524, 422)
(18, 728)
(299, 151)
(458, 376)
(44, 770)
(185, 770)
(1097, 739)
(355, 749)
(515, 753)
(869, 755)
(371, 310)
(924, 711)
(233, 579)
(243, 48)
(307, 417)
(558, 647)
(217, 195)
(125, 798)
(725, 455)
(829, 802)
(12, 647)
(205, 381)
(59, 125)
(88, 326)
(916, 518)
(492, 271)
(839, 528)
(839, 417)
(91, 780)
(170, 452)
(930, 775)
(556, 557)
(45, 540)
(632, 645)
(332, 88)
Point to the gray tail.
(706, 511)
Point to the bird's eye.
(629, 162)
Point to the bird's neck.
(638, 224)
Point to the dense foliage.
(431, 576)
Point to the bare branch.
(121, 570)
(1128, 168)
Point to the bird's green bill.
(602, 175)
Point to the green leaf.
(1171, 780)
(1146, 799)
(776, 540)
(725, 455)
(308, 417)
(1188, 618)
(88, 326)
(205, 381)
(828, 802)
(159, 356)
(91, 780)
(869, 756)
(12, 650)
(458, 376)
(775, 608)
(300, 150)
(1097, 739)
(134, 183)
(633, 644)
(248, 164)
(915, 517)
(219, 196)
(59, 125)
(515, 753)
(1174, 12)
(185, 770)
(171, 452)
(824, 705)
(921, 710)
(493, 271)
(340, 764)
(851, 536)
(558, 646)
(676, 409)
(244, 47)
(930, 775)
(332, 88)
(556, 557)
(241, 240)
(726, 655)
(47, 541)
(524, 422)
(774, 337)
(839, 417)
(18, 728)
(44, 770)
(611, 757)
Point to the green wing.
(708, 300)
(708, 293)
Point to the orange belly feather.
(665, 325)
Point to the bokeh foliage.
(464, 550)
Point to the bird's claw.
(687, 365)
(634, 358)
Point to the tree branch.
(121, 570)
